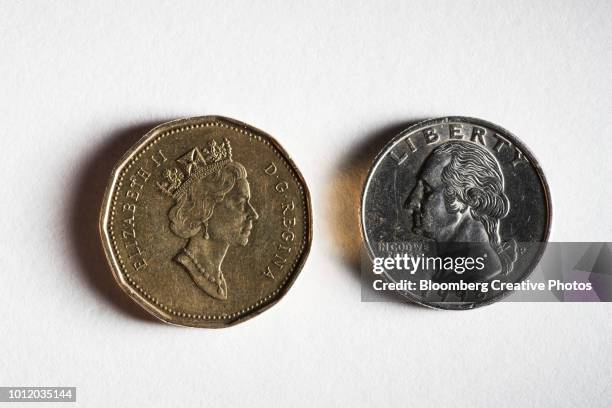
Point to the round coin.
(466, 201)
(206, 222)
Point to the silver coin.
(457, 186)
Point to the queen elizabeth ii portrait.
(212, 210)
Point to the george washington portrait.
(459, 198)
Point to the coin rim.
(526, 152)
(107, 207)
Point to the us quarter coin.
(453, 187)
(206, 222)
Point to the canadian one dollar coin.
(456, 188)
(206, 222)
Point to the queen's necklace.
(208, 276)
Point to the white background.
(81, 81)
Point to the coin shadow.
(344, 201)
(85, 205)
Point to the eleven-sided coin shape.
(206, 222)
(457, 186)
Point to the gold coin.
(206, 222)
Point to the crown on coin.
(193, 166)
